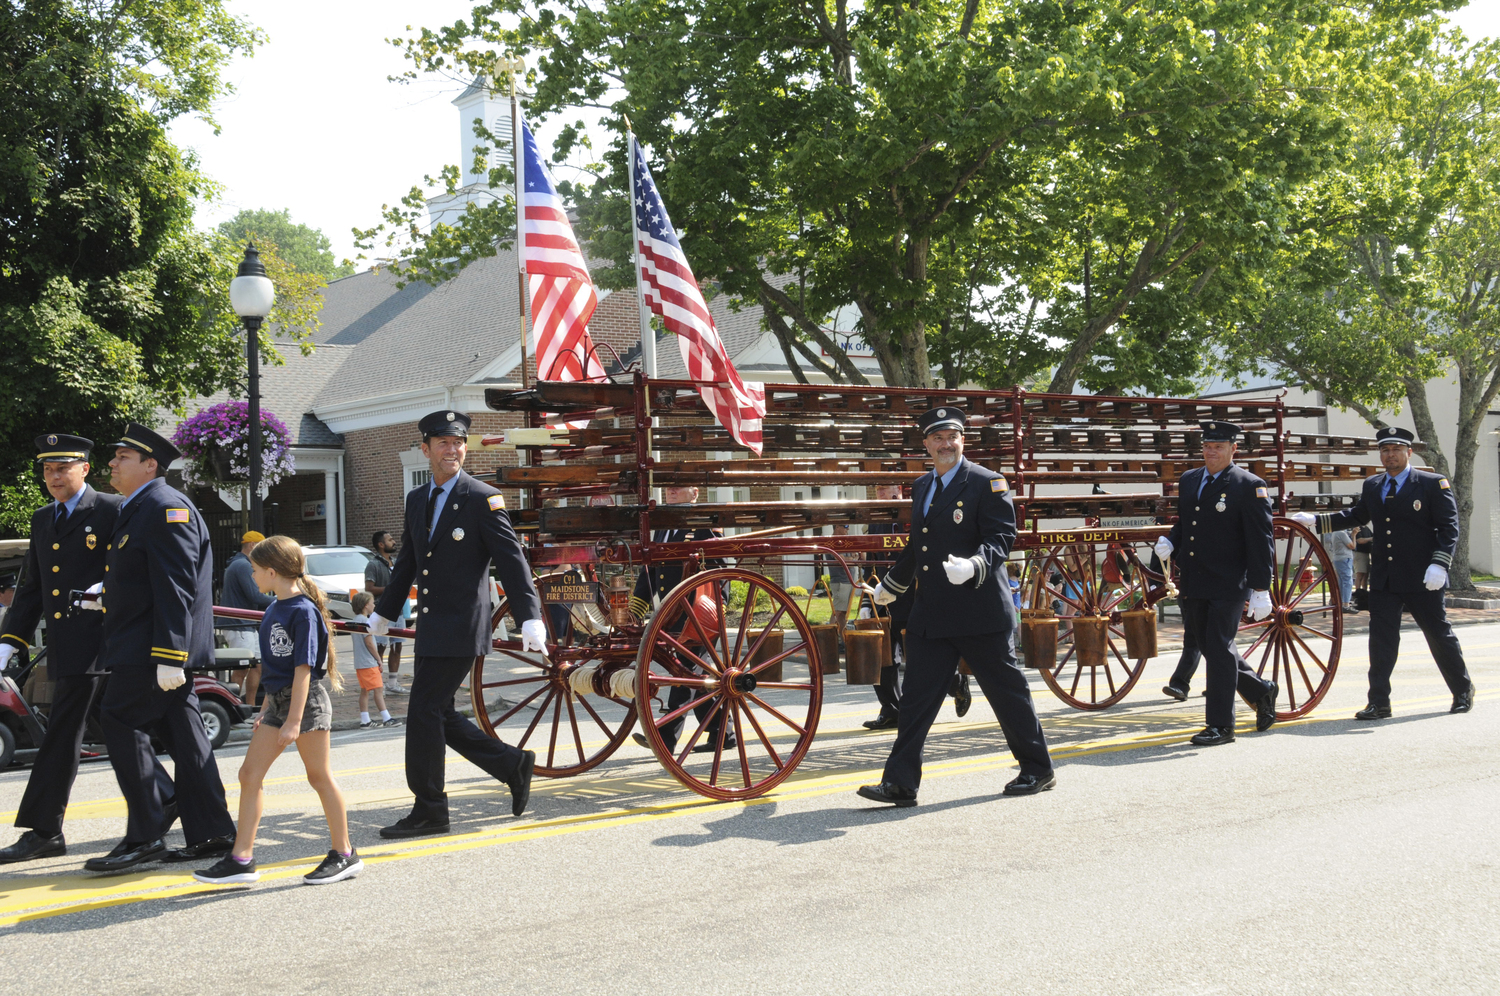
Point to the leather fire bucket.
(1091, 640)
(868, 653)
(1140, 633)
(770, 646)
(1039, 638)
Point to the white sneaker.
(393, 687)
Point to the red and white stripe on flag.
(672, 292)
(562, 294)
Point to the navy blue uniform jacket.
(453, 571)
(975, 519)
(158, 589)
(1223, 553)
(1416, 527)
(62, 560)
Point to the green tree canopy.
(111, 304)
(303, 246)
(1119, 170)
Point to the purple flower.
(225, 429)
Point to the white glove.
(1260, 604)
(534, 636)
(6, 653)
(94, 604)
(880, 595)
(379, 625)
(1304, 519)
(1435, 578)
(169, 677)
(958, 571)
(1164, 548)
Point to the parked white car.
(337, 570)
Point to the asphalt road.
(1323, 856)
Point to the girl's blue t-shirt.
(293, 634)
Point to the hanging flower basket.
(215, 445)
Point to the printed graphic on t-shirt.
(281, 641)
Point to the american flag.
(672, 292)
(562, 295)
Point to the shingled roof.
(288, 391)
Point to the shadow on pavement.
(808, 827)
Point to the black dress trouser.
(1428, 610)
(56, 766)
(1246, 681)
(930, 666)
(432, 725)
(1217, 622)
(134, 707)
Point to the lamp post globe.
(251, 294)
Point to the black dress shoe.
(33, 845)
(1265, 709)
(1373, 711)
(962, 697)
(1173, 692)
(1030, 784)
(885, 721)
(520, 783)
(1213, 736)
(411, 826)
(126, 855)
(1462, 702)
(212, 847)
(640, 738)
(709, 745)
(890, 792)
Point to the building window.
(420, 477)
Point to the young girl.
(295, 654)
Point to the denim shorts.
(317, 714)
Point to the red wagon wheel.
(706, 656)
(1073, 581)
(527, 700)
(1298, 645)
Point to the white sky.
(316, 128)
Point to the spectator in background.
(367, 665)
(7, 589)
(1363, 540)
(240, 592)
(377, 577)
(1340, 547)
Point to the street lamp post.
(251, 294)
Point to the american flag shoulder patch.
(999, 484)
(1261, 493)
(177, 515)
(1443, 483)
(497, 502)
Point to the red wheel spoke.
(757, 669)
(522, 704)
(683, 710)
(556, 722)
(1310, 588)
(765, 740)
(739, 742)
(671, 680)
(1327, 636)
(755, 647)
(577, 737)
(773, 711)
(584, 701)
(707, 643)
(537, 718)
(1077, 676)
(739, 636)
(791, 685)
(678, 646)
(692, 741)
(713, 772)
(1268, 629)
(514, 681)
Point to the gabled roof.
(418, 336)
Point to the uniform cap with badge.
(444, 423)
(1394, 435)
(947, 417)
(148, 444)
(1219, 432)
(57, 447)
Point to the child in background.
(295, 654)
(367, 665)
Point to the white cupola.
(477, 103)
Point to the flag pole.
(516, 66)
(648, 335)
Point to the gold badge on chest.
(91, 541)
(958, 515)
(123, 540)
(1219, 507)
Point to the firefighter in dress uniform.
(68, 539)
(157, 600)
(1224, 547)
(455, 528)
(963, 525)
(1414, 517)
